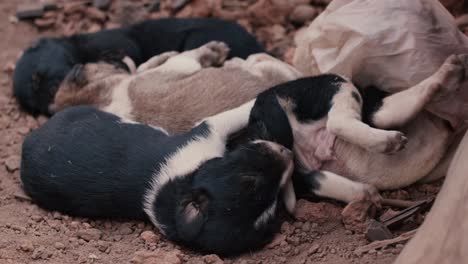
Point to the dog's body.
(320, 118)
(43, 66)
(89, 163)
(174, 90)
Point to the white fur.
(121, 105)
(181, 64)
(266, 215)
(190, 156)
(337, 187)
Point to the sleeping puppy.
(173, 90)
(339, 156)
(43, 66)
(89, 163)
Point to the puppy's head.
(87, 84)
(230, 205)
(39, 72)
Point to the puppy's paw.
(452, 73)
(388, 142)
(213, 53)
(372, 195)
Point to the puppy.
(42, 67)
(173, 90)
(338, 156)
(89, 163)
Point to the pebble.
(306, 227)
(149, 237)
(59, 245)
(12, 163)
(313, 249)
(89, 234)
(27, 246)
(212, 259)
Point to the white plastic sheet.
(393, 44)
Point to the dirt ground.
(29, 234)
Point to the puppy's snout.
(285, 151)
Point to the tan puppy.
(173, 90)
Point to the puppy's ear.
(191, 215)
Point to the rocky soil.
(29, 234)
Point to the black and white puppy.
(43, 66)
(89, 163)
(341, 157)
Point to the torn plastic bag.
(390, 44)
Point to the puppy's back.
(89, 163)
(177, 105)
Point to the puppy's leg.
(156, 61)
(228, 122)
(401, 107)
(213, 53)
(344, 120)
(330, 185)
(269, 67)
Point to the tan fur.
(173, 97)
(93, 86)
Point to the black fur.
(86, 162)
(312, 100)
(43, 66)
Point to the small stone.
(27, 246)
(125, 230)
(9, 67)
(102, 4)
(149, 237)
(377, 231)
(279, 238)
(93, 256)
(102, 246)
(44, 22)
(74, 7)
(313, 249)
(332, 251)
(29, 10)
(39, 253)
(306, 227)
(212, 259)
(12, 163)
(179, 4)
(303, 13)
(59, 245)
(156, 256)
(89, 234)
(96, 14)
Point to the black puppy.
(90, 163)
(43, 66)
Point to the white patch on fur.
(266, 215)
(128, 121)
(130, 64)
(344, 120)
(232, 120)
(338, 187)
(121, 105)
(195, 152)
(262, 64)
(181, 64)
(184, 161)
